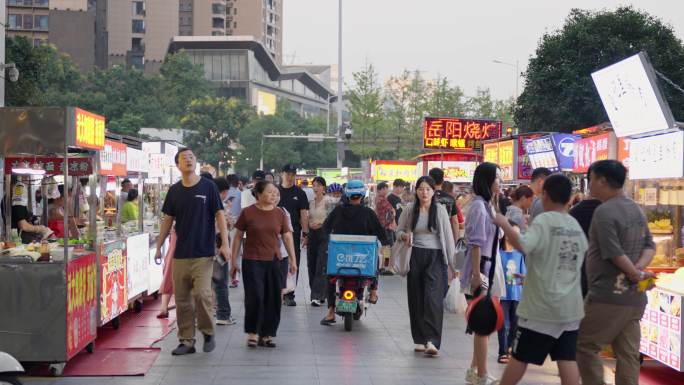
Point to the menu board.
(541, 153)
(659, 156)
(661, 328)
(113, 299)
(137, 264)
(524, 166)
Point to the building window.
(218, 9)
(28, 22)
(218, 23)
(39, 42)
(14, 21)
(15, 2)
(186, 6)
(139, 8)
(41, 22)
(234, 11)
(28, 3)
(138, 26)
(40, 3)
(138, 62)
(185, 21)
(235, 24)
(137, 44)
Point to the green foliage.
(215, 124)
(559, 94)
(279, 151)
(368, 120)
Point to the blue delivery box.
(352, 255)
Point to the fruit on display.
(660, 222)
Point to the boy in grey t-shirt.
(551, 308)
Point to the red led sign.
(458, 134)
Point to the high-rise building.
(64, 23)
(134, 33)
(262, 19)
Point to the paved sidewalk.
(378, 351)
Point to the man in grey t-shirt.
(620, 248)
(536, 184)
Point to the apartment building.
(64, 23)
(134, 33)
(261, 19)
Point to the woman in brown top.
(262, 222)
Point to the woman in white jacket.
(424, 226)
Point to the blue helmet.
(334, 187)
(355, 188)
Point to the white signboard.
(659, 156)
(632, 98)
(157, 164)
(137, 263)
(455, 171)
(136, 160)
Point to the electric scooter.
(349, 302)
(10, 368)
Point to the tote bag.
(400, 258)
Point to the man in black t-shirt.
(447, 200)
(195, 205)
(294, 200)
(394, 197)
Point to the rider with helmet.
(335, 190)
(354, 219)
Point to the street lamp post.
(516, 68)
(340, 80)
(3, 18)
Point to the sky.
(458, 39)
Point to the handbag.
(484, 314)
(459, 256)
(400, 257)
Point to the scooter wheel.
(348, 322)
(12, 380)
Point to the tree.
(559, 94)
(366, 105)
(278, 151)
(181, 82)
(215, 124)
(46, 77)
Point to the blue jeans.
(507, 333)
(220, 283)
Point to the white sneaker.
(486, 380)
(419, 348)
(431, 349)
(316, 303)
(471, 375)
(229, 321)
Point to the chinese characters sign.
(90, 130)
(81, 303)
(458, 134)
(660, 156)
(524, 166)
(589, 150)
(541, 154)
(113, 299)
(51, 165)
(390, 172)
(113, 159)
(503, 154)
(137, 254)
(136, 160)
(491, 152)
(456, 171)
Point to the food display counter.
(48, 289)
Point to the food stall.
(49, 290)
(589, 149)
(389, 170)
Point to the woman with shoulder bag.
(425, 227)
(482, 237)
(263, 222)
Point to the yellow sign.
(506, 153)
(390, 172)
(491, 152)
(266, 103)
(90, 130)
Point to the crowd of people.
(563, 268)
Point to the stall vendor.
(22, 219)
(56, 215)
(130, 210)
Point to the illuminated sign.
(458, 134)
(589, 150)
(541, 153)
(524, 166)
(90, 130)
(491, 152)
(623, 151)
(660, 156)
(113, 159)
(502, 154)
(564, 147)
(51, 165)
(266, 103)
(455, 171)
(390, 172)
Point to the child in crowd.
(513, 263)
(551, 307)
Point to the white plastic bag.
(291, 284)
(455, 301)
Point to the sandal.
(267, 342)
(503, 359)
(373, 298)
(327, 322)
(252, 342)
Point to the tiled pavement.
(378, 351)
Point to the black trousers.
(262, 283)
(426, 285)
(297, 238)
(317, 262)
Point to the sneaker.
(234, 283)
(229, 321)
(431, 349)
(486, 380)
(419, 348)
(209, 344)
(471, 375)
(182, 350)
(315, 303)
(290, 301)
